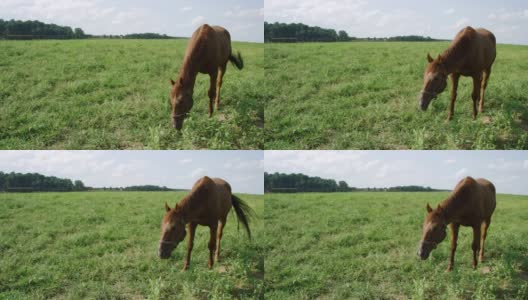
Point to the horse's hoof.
(449, 268)
(185, 268)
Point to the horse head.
(181, 101)
(172, 231)
(433, 232)
(435, 81)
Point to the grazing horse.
(471, 203)
(208, 52)
(207, 204)
(471, 53)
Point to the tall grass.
(363, 95)
(103, 245)
(114, 94)
(363, 245)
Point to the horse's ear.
(172, 82)
(167, 208)
(429, 58)
(429, 209)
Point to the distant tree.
(79, 33)
(343, 36)
(79, 185)
(343, 186)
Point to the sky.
(175, 169)
(507, 19)
(507, 170)
(242, 18)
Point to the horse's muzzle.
(423, 102)
(422, 254)
(163, 254)
(177, 123)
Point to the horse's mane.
(456, 199)
(194, 54)
(458, 48)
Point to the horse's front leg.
(212, 91)
(454, 238)
(476, 244)
(454, 87)
(212, 244)
(190, 244)
(476, 94)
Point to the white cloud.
(449, 161)
(185, 161)
(198, 20)
(197, 173)
(461, 23)
(186, 8)
(461, 173)
(449, 11)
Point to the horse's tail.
(243, 212)
(237, 60)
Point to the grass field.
(114, 94)
(103, 245)
(363, 246)
(364, 95)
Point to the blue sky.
(243, 18)
(175, 169)
(508, 170)
(507, 19)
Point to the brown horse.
(471, 203)
(208, 52)
(207, 204)
(471, 53)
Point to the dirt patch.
(486, 120)
(221, 117)
(485, 270)
(221, 269)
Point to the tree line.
(18, 30)
(279, 182)
(26, 30)
(298, 32)
(34, 182)
(300, 183)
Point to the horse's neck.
(185, 206)
(187, 79)
(452, 58)
(451, 208)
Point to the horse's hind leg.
(212, 245)
(219, 234)
(476, 93)
(476, 244)
(212, 92)
(485, 77)
(219, 81)
(485, 226)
